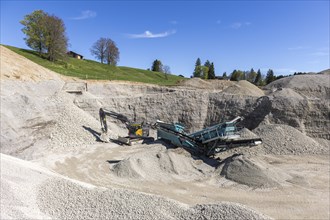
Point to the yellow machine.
(136, 131)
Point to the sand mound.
(196, 83)
(246, 171)
(244, 87)
(310, 85)
(161, 164)
(221, 84)
(286, 93)
(286, 140)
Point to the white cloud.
(298, 48)
(324, 51)
(238, 25)
(85, 15)
(174, 22)
(149, 34)
(320, 53)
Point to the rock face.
(289, 101)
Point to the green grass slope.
(88, 69)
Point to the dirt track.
(285, 178)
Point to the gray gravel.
(286, 140)
(63, 199)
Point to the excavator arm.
(104, 112)
(135, 130)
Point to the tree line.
(252, 76)
(46, 34)
(207, 71)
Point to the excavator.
(209, 141)
(136, 131)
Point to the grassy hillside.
(88, 69)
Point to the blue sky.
(285, 36)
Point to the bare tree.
(99, 49)
(166, 70)
(112, 52)
(105, 49)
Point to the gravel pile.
(286, 140)
(19, 187)
(244, 87)
(160, 164)
(63, 199)
(196, 83)
(244, 170)
(74, 127)
(225, 211)
(309, 85)
(287, 93)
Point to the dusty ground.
(285, 178)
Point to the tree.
(270, 76)
(157, 66)
(34, 29)
(198, 72)
(98, 49)
(166, 70)
(205, 72)
(46, 34)
(111, 52)
(207, 64)
(211, 73)
(251, 75)
(224, 75)
(198, 69)
(105, 49)
(198, 62)
(237, 75)
(56, 40)
(258, 78)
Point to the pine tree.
(234, 76)
(207, 64)
(258, 79)
(198, 70)
(198, 62)
(211, 74)
(157, 66)
(270, 76)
